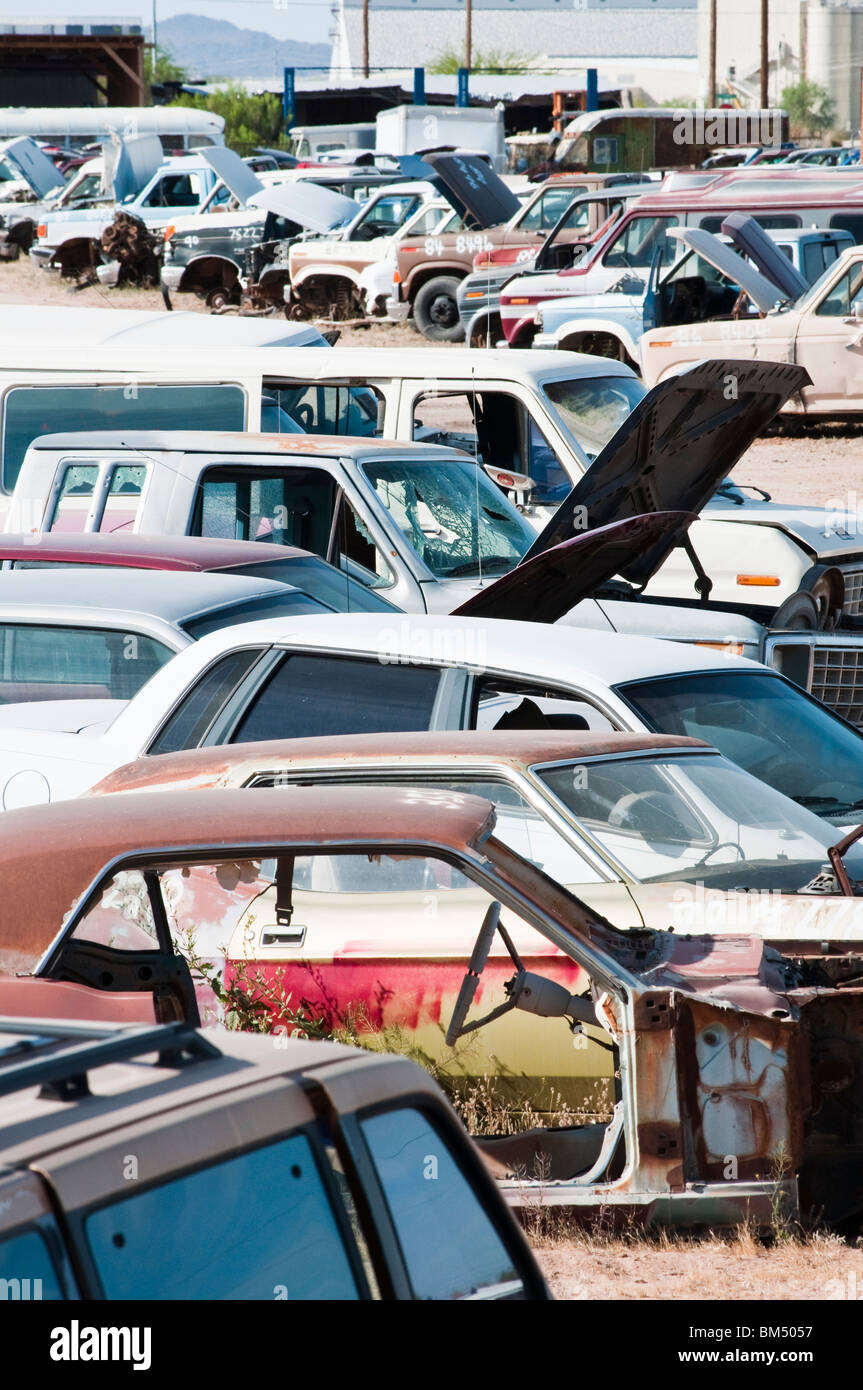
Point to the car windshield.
(696, 818)
(592, 409)
(452, 514)
(766, 725)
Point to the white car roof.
(294, 446)
(532, 651)
(38, 324)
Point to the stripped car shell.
(739, 1069)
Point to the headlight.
(539, 318)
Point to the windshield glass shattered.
(452, 514)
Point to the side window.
(27, 1271)
(329, 409)
(356, 552)
(74, 498)
(293, 506)
(849, 222)
(502, 704)
(124, 497)
(548, 209)
(638, 242)
(450, 1245)
(193, 716)
(305, 698)
(837, 304)
(385, 217)
(31, 411)
(175, 191)
(426, 222)
(497, 428)
(276, 1230)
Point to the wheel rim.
(443, 311)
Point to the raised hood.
(33, 165)
(308, 204)
(751, 239)
(544, 588)
(242, 181)
(130, 164)
(468, 183)
(672, 452)
(763, 292)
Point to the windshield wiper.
(472, 566)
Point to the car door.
(829, 340)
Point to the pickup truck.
(702, 285)
(424, 528)
(428, 269)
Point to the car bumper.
(545, 340)
(171, 276)
(397, 310)
(41, 254)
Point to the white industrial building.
(647, 44)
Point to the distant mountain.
(213, 48)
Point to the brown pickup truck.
(428, 270)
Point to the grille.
(837, 679)
(853, 590)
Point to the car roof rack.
(56, 1056)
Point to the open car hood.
(543, 588)
(308, 204)
(751, 239)
(242, 181)
(672, 452)
(763, 292)
(33, 165)
(130, 164)
(466, 181)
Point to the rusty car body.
(737, 1067)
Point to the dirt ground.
(822, 467)
(731, 1267)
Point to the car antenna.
(476, 479)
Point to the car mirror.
(857, 310)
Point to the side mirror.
(857, 310)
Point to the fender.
(327, 270)
(429, 270)
(599, 325)
(207, 267)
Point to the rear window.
(288, 604)
(66, 663)
(31, 411)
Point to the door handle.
(283, 936)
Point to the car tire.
(799, 613)
(436, 310)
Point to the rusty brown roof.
(50, 855)
(233, 764)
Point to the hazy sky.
(290, 19)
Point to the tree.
(250, 120)
(810, 106)
(164, 69)
(450, 61)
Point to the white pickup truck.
(426, 528)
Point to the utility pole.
(764, 59)
(365, 38)
(711, 75)
(468, 37)
(154, 41)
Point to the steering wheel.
(723, 844)
(621, 814)
(476, 965)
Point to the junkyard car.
(86, 633)
(821, 329)
(699, 287)
(317, 1198)
(375, 673)
(402, 519)
(724, 1047)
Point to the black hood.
(473, 188)
(542, 589)
(673, 451)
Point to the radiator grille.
(853, 590)
(837, 679)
